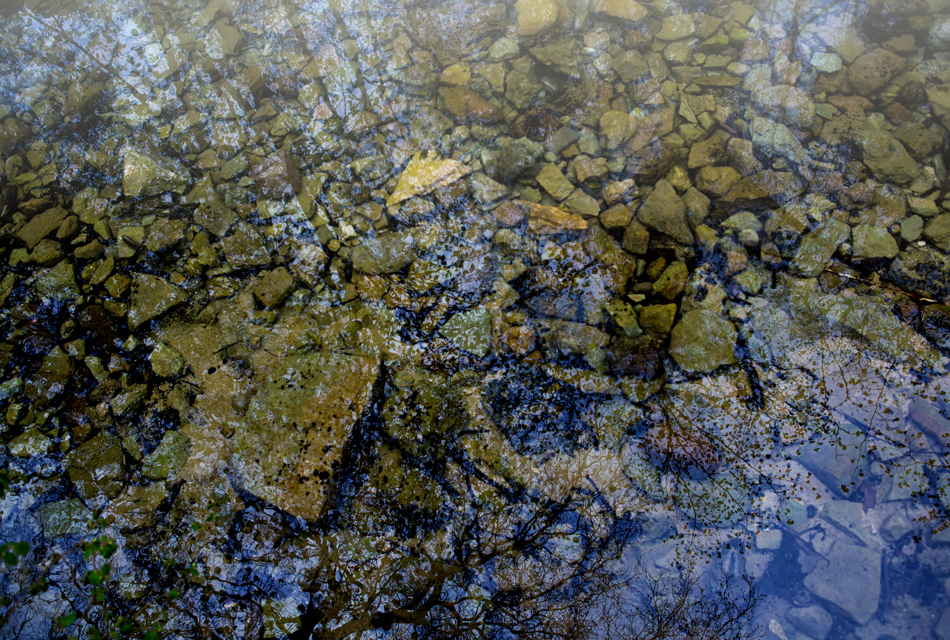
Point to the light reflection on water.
(473, 318)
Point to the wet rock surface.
(291, 290)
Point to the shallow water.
(540, 319)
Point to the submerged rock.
(849, 577)
(665, 211)
(294, 435)
(95, 467)
(151, 297)
(703, 341)
(424, 175)
(149, 175)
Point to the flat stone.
(938, 231)
(812, 621)
(274, 287)
(617, 127)
(658, 318)
(818, 246)
(826, 62)
(872, 70)
(289, 446)
(547, 220)
(870, 242)
(245, 247)
(623, 9)
(703, 341)
(468, 106)
(96, 467)
(64, 517)
(58, 282)
(676, 27)
(146, 174)
(277, 176)
(423, 175)
(168, 457)
(665, 212)
(151, 297)
(41, 225)
(166, 361)
(535, 16)
(470, 331)
(849, 577)
(554, 182)
(386, 253)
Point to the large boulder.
(292, 440)
(872, 70)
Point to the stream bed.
(475, 319)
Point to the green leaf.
(21, 548)
(40, 587)
(195, 526)
(174, 594)
(93, 578)
(10, 559)
(68, 619)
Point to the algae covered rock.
(95, 467)
(149, 175)
(151, 297)
(296, 429)
(703, 341)
(424, 175)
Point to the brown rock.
(508, 214)
(872, 70)
(41, 225)
(468, 106)
(277, 176)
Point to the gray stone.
(665, 212)
(145, 174)
(470, 331)
(64, 517)
(870, 242)
(96, 467)
(703, 341)
(151, 297)
(297, 427)
(521, 88)
(387, 253)
(826, 62)
(849, 577)
(812, 621)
